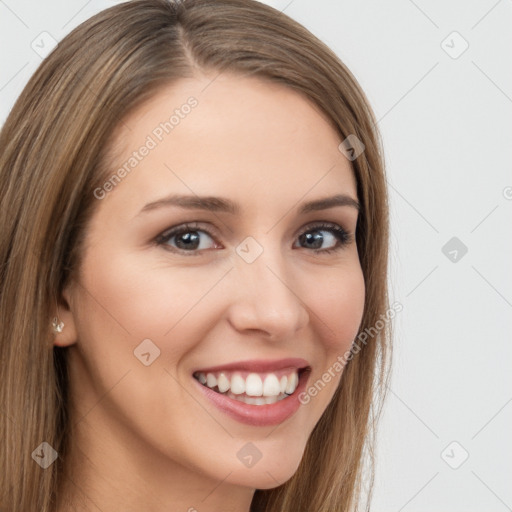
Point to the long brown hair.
(54, 152)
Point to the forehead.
(228, 134)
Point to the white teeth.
(283, 382)
(271, 386)
(223, 383)
(292, 383)
(253, 385)
(237, 384)
(211, 381)
(256, 401)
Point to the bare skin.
(143, 437)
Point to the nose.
(267, 298)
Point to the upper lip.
(258, 365)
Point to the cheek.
(139, 298)
(339, 305)
(124, 302)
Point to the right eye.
(186, 238)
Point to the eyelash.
(343, 237)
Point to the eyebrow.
(220, 204)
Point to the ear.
(64, 313)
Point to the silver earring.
(57, 326)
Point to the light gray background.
(446, 121)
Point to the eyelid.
(191, 226)
(323, 224)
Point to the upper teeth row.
(253, 384)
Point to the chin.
(270, 473)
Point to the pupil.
(314, 238)
(190, 239)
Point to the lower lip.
(258, 415)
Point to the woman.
(195, 231)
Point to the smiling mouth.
(250, 387)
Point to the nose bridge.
(265, 299)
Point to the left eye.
(336, 238)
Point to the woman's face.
(175, 292)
